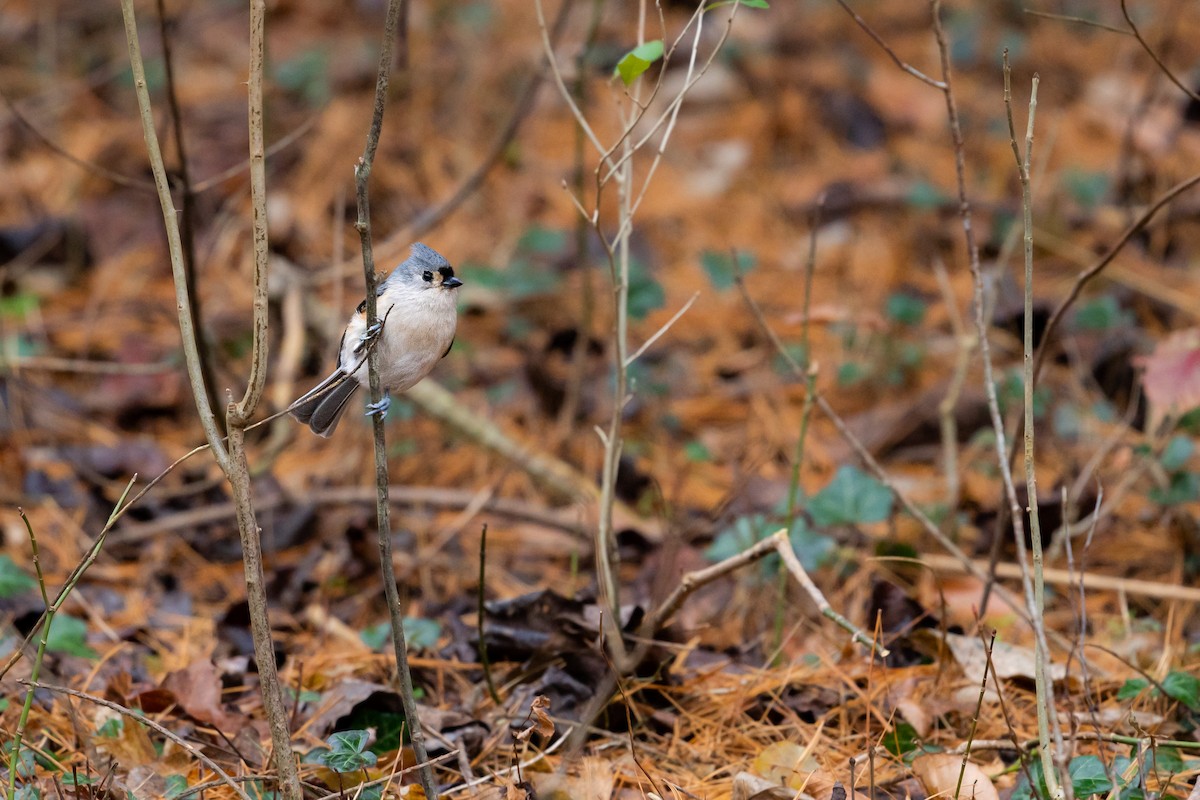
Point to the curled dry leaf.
(542, 724)
(939, 773)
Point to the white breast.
(418, 329)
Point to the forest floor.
(806, 205)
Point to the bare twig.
(187, 196)
(87, 166)
(646, 345)
(362, 175)
(1089, 274)
(142, 719)
(872, 464)
(187, 326)
(1053, 757)
(1079, 20)
(1133, 28)
(232, 460)
(899, 62)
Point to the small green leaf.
(812, 548)
(905, 308)
(1102, 314)
(1175, 455)
(720, 267)
(348, 751)
(743, 533)
(1183, 688)
(851, 498)
(695, 450)
(1132, 688)
(543, 241)
(68, 635)
(746, 3)
(1184, 487)
(419, 634)
(645, 294)
(850, 373)
(26, 761)
(638, 60)
(1088, 776)
(1087, 188)
(19, 305)
(1165, 760)
(111, 728)
(901, 739)
(13, 580)
(175, 785)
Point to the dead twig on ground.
(142, 719)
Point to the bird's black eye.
(427, 276)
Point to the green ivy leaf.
(1088, 776)
(13, 579)
(812, 548)
(720, 267)
(1132, 688)
(1184, 488)
(900, 740)
(1177, 453)
(638, 60)
(905, 309)
(111, 728)
(851, 498)
(175, 785)
(68, 635)
(348, 751)
(645, 293)
(419, 634)
(1165, 760)
(1102, 314)
(1183, 688)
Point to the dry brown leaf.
(792, 766)
(1172, 375)
(542, 724)
(939, 772)
(1008, 661)
(198, 691)
(747, 786)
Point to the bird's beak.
(451, 283)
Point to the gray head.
(425, 267)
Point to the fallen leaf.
(1172, 376)
(197, 689)
(940, 772)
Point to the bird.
(417, 318)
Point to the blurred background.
(799, 118)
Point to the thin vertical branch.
(187, 200)
(241, 413)
(232, 461)
(187, 327)
(1035, 593)
(362, 175)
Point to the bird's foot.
(371, 332)
(380, 409)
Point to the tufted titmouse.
(417, 315)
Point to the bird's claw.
(371, 332)
(380, 409)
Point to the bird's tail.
(322, 407)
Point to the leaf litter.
(747, 693)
